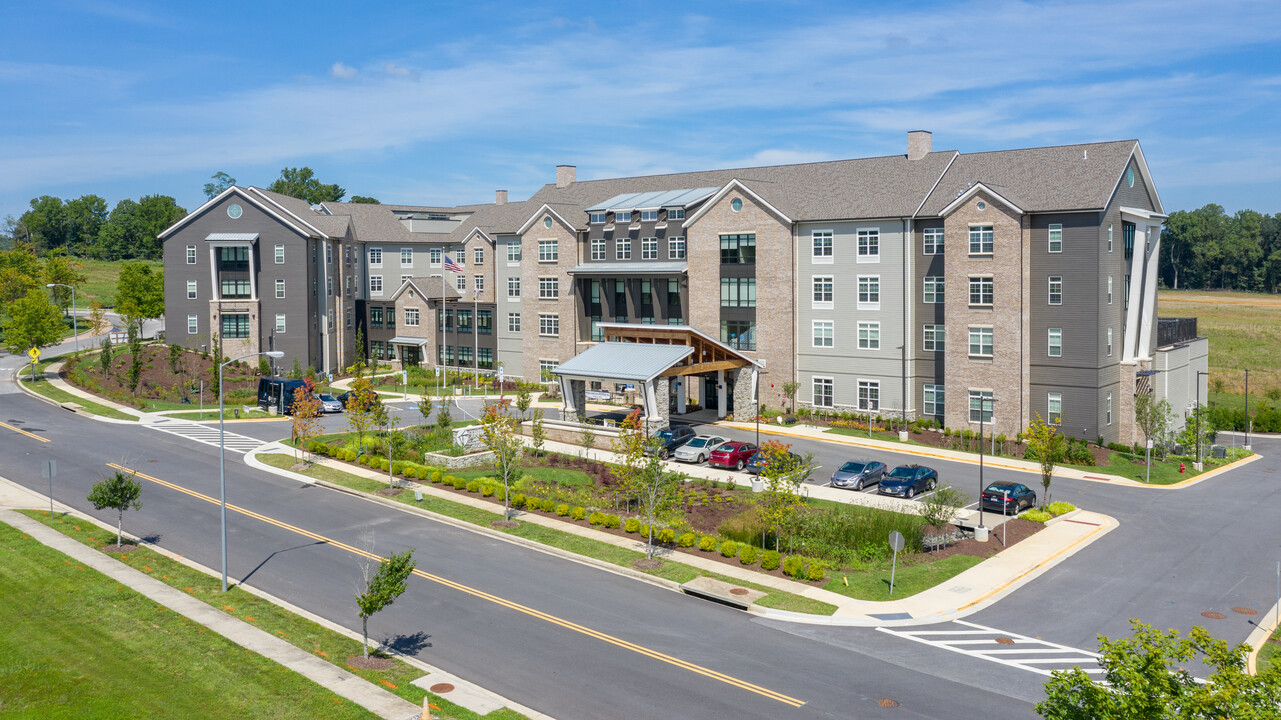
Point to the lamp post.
(983, 401)
(76, 320)
(222, 454)
(1199, 373)
(1247, 408)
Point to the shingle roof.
(494, 220)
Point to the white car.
(329, 403)
(698, 449)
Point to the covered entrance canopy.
(657, 357)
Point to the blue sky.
(426, 103)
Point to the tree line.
(1207, 249)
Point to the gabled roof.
(286, 217)
(546, 209)
(624, 361)
(429, 288)
(976, 189)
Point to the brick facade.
(536, 346)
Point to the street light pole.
(222, 454)
(1199, 373)
(1247, 408)
(983, 401)
(75, 324)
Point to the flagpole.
(475, 331)
(440, 356)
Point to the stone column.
(578, 393)
(745, 379)
(662, 393)
(720, 395)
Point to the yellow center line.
(24, 432)
(618, 642)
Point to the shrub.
(632, 526)
(792, 566)
(613, 521)
(518, 500)
(667, 536)
(1059, 508)
(577, 513)
(473, 486)
(460, 483)
(596, 518)
(816, 572)
(562, 509)
(707, 543)
(549, 505)
(313, 447)
(1036, 516)
(729, 549)
(644, 530)
(687, 539)
(436, 477)
(770, 560)
(384, 464)
(487, 490)
(748, 554)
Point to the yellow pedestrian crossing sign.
(34, 354)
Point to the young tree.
(1154, 419)
(118, 491)
(537, 434)
(305, 418)
(1045, 444)
(175, 358)
(500, 434)
(784, 472)
(381, 587)
(523, 399)
(587, 439)
(644, 477)
(789, 391)
(135, 353)
(264, 367)
(32, 321)
(358, 346)
(444, 421)
(940, 507)
(396, 445)
(296, 372)
(361, 408)
(629, 450)
(1144, 677)
(425, 405)
(104, 357)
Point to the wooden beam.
(697, 368)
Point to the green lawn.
(208, 415)
(271, 618)
(908, 579)
(43, 387)
(101, 285)
(1163, 473)
(1244, 330)
(1271, 651)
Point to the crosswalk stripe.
(210, 436)
(966, 643)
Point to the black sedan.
(908, 481)
(345, 397)
(857, 474)
(665, 441)
(757, 463)
(1008, 498)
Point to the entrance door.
(411, 355)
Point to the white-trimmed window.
(934, 400)
(1108, 415)
(280, 289)
(933, 289)
(933, 241)
(869, 292)
(329, 286)
(824, 333)
(869, 245)
(981, 240)
(406, 257)
(598, 248)
(1056, 289)
(460, 282)
(405, 278)
(1056, 237)
(478, 282)
(822, 292)
(280, 323)
(649, 215)
(1109, 342)
(280, 254)
(981, 406)
(869, 395)
(548, 250)
(434, 255)
(980, 342)
(676, 213)
(513, 289)
(1056, 342)
(193, 324)
(869, 335)
(823, 392)
(1109, 289)
(649, 248)
(478, 255)
(934, 335)
(596, 218)
(623, 248)
(545, 368)
(411, 317)
(676, 247)
(822, 247)
(375, 284)
(191, 289)
(623, 218)
(375, 257)
(191, 253)
(981, 290)
(513, 253)
(1054, 408)
(549, 325)
(548, 288)
(1109, 238)
(513, 322)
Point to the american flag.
(452, 266)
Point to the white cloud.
(395, 70)
(343, 72)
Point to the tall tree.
(32, 321)
(20, 273)
(364, 199)
(63, 270)
(140, 292)
(120, 492)
(302, 184)
(221, 181)
(131, 229)
(381, 587)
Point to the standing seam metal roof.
(624, 361)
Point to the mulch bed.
(113, 548)
(157, 380)
(373, 662)
(939, 440)
(389, 492)
(1014, 530)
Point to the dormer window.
(649, 216)
(597, 218)
(623, 218)
(675, 213)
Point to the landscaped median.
(45, 388)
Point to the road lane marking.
(988, 648)
(596, 634)
(20, 431)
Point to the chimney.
(565, 175)
(500, 197)
(919, 144)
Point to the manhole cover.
(1005, 640)
(1245, 611)
(1213, 615)
(738, 591)
(886, 702)
(441, 688)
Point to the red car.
(732, 455)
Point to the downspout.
(907, 248)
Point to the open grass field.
(1244, 331)
(101, 286)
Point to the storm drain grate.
(1245, 611)
(1214, 615)
(886, 702)
(441, 688)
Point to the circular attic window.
(736, 204)
(234, 211)
(982, 205)
(547, 222)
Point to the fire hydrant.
(1181, 468)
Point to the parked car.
(857, 474)
(757, 463)
(329, 403)
(698, 449)
(732, 455)
(908, 480)
(346, 397)
(665, 441)
(1008, 498)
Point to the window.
(280, 254)
(981, 240)
(822, 251)
(548, 288)
(933, 289)
(235, 289)
(737, 292)
(980, 342)
(329, 254)
(444, 318)
(1056, 289)
(375, 317)
(434, 255)
(485, 358)
(934, 400)
(1109, 289)
(1056, 237)
(738, 249)
(545, 368)
(411, 317)
(1055, 408)
(1108, 411)
(739, 334)
(823, 330)
(649, 215)
(596, 218)
(869, 292)
(513, 322)
(191, 253)
(375, 257)
(869, 335)
(464, 320)
(1109, 343)
(676, 248)
(406, 257)
(598, 248)
(1056, 342)
(478, 255)
(823, 392)
(513, 289)
(233, 258)
(822, 292)
(280, 323)
(280, 289)
(375, 284)
(674, 292)
(193, 325)
(934, 241)
(548, 251)
(675, 213)
(329, 286)
(485, 322)
(446, 355)
(549, 325)
(934, 335)
(191, 289)
(869, 395)
(981, 290)
(235, 325)
(513, 253)
(1125, 299)
(478, 282)
(1109, 238)
(981, 406)
(623, 248)
(460, 282)
(376, 349)
(649, 248)
(1127, 239)
(391, 318)
(405, 278)
(461, 254)
(623, 218)
(869, 245)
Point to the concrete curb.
(63, 405)
(1259, 637)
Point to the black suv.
(665, 441)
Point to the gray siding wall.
(924, 367)
(1176, 383)
(510, 350)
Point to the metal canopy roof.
(232, 237)
(675, 267)
(654, 200)
(624, 361)
(402, 340)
